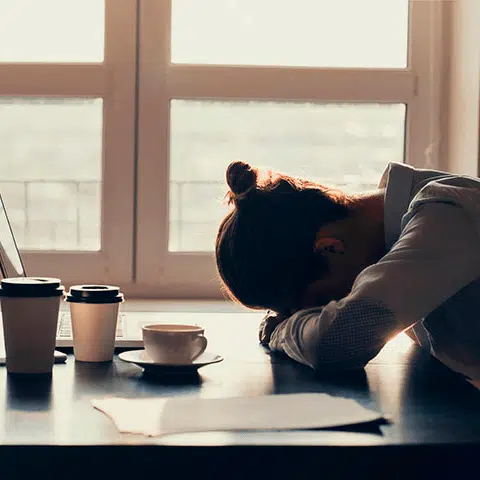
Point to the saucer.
(140, 358)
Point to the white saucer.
(140, 358)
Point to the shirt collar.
(397, 181)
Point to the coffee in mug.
(30, 308)
(94, 314)
(173, 344)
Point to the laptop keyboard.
(65, 326)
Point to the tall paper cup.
(94, 314)
(30, 316)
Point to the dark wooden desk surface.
(435, 414)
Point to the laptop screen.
(10, 261)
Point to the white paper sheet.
(161, 416)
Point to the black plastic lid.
(94, 294)
(31, 287)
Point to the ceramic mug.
(174, 344)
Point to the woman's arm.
(437, 254)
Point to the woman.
(345, 273)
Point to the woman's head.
(265, 246)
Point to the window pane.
(317, 33)
(52, 30)
(50, 171)
(340, 145)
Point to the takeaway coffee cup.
(94, 314)
(30, 316)
(174, 344)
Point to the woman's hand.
(268, 325)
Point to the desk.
(435, 415)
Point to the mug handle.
(201, 342)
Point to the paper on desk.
(161, 416)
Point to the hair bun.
(241, 178)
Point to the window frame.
(137, 81)
(190, 274)
(113, 80)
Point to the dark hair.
(265, 245)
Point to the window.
(114, 141)
(52, 159)
(67, 124)
(322, 140)
(329, 90)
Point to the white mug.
(173, 344)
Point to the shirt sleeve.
(437, 254)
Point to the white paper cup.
(174, 344)
(30, 317)
(94, 313)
